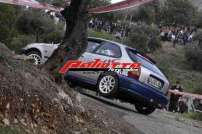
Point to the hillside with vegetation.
(32, 100)
(20, 27)
(172, 62)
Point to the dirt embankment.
(30, 100)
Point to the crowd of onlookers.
(116, 28)
(177, 35)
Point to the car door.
(87, 56)
(104, 51)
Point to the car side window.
(92, 46)
(109, 49)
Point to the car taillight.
(135, 73)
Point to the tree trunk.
(75, 39)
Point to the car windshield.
(136, 57)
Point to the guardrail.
(196, 96)
(190, 100)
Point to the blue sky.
(114, 1)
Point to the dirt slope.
(30, 100)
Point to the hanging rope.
(98, 10)
(32, 3)
(119, 6)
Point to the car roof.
(101, 39)
(124, 46)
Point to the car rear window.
(136, 57)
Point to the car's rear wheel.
(108, 85)
(72, 84)
(36, 56)
(145, 109)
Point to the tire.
(107, 85)
(37, 60)
(71, 84)
(145, 109)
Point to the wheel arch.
(33, 49)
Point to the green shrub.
(195, 116)
(193, 53)
(146, 14)
(35, 23)
(199, 19)
(9, 130)
(53, 37)
(194, 57)
(8, 17)
(144, 38)
(198, 38)
(181, 12)
(105, 35)
(154, 43)
(20, 41)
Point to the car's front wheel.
(108, 85)
(145, 109)
(36, 56)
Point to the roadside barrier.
(195, 96)
(189, 101)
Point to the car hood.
(41, 44)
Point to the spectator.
(182, 104)
(118, 35)
(173, 106)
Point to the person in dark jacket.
(173, 106)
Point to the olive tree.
(145, 38)
(178, 12)
(75, 39)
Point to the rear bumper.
(142, 91)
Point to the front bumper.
(144, 92)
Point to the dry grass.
(173, 63)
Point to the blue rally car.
(146, 87)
